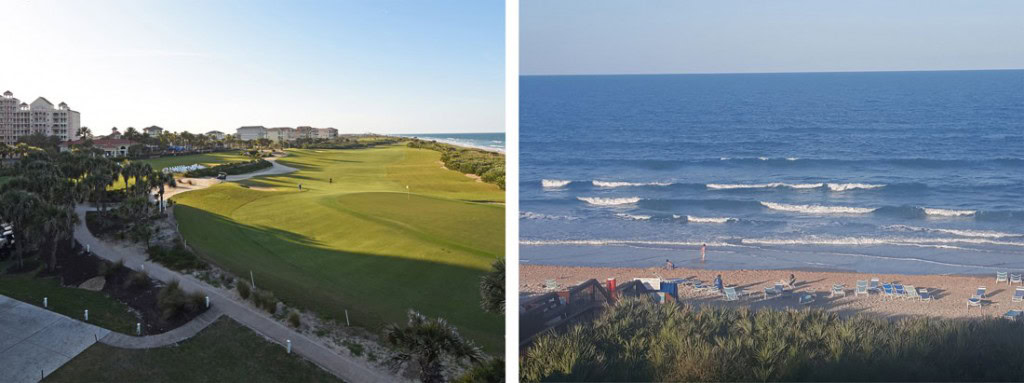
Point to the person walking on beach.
(703, 247)
(669, 265)
(718, 282)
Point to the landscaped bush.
(638, 340)
(265, 299)
(177, 257)
(173, 301)
(138, 280)
(244, 290)
(293, 319)
(231, 168)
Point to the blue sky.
(727, 36)
(384, 66)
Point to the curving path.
(203, 183)
(134, 256)
(179, 334)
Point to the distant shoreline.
(455, 142)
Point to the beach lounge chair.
(778, 289)
(1014, 315)
(875, 285)
(838, 290)
(980, 293)
(1001, 277)
(924, 294)
(899, 291)
(550, 284)
(731, 294)
(887, 291)
(1016, 278)
(806, 299)
(912, 292)
(700, 286)
(1018, 295)
(973, 301)
(862, 288)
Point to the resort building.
(281, 134)
(153, 131)
(112, 147)
(249, 133)
(216, 134)
(327, 133)
(19, 119)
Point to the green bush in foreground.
(244, 290)
(637, 340)
(174, 301)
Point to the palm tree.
(430, 342)
(159, 180)
(20, 208)
(85, 132)
(58, 224)
(492, 289)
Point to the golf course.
(373, 231)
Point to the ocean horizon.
(903, 172)
(494, 142)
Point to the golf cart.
(222, 176)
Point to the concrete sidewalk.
(179, 334)
(343, 366)
(35, 341)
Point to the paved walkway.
(343, 366)
(35, 341)
(179, 334)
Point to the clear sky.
(728, 36)
(385, 66)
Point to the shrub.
(173, 301)
(177, 257)
(243, 290)
(293, 319)
(138, 280)
(355, 348)
(265, 300)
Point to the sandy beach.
(950, 291)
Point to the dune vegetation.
(373, 231)
(638, 340)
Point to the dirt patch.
(262, 188)
(475, 177)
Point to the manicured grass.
(360, 243)
(103, 310)
(208, 159)
(223, 352)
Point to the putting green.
(361, 243)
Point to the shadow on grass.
(375, 289)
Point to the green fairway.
(208, 159)
(223, 352)
(361, 243)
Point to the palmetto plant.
(431, 343)
(492, 289)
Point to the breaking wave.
(634, 217)
(613, 242)
(764, 186)
(845, 187)
(616, 184)
(693, 219)
(532, 215)
(554, 184)
(958, 232)
(948, 212)
(609, 201)
(869, 241)
(817, 209)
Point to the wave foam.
(958, 232)
(613, 242)
(764, 186)
(817, 209)
(634, 217)
(554, 184)
(851, 186)
(532, 215)
(869, 241)
(609, 201)
(948, 212)
(616, 184)
(693, 219)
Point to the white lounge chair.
(924, 294)
(731, 294)
(912, 293)
(838, 290)
(1016, 278)
(550, 284)
(875, 285)
(1018, 295)
(1001, 277)
(980, 293)
(1014, 315)
(862, 288)
(973, 302)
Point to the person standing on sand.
(703, 247)
(718, 282)
(669, 265)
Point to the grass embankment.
(104, 311)
(223, 352)
(637, 340)
(360, 243)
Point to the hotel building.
(18, 119)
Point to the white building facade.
(18, 119)
(249, 133)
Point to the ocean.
(904, 172)
(494, 142)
